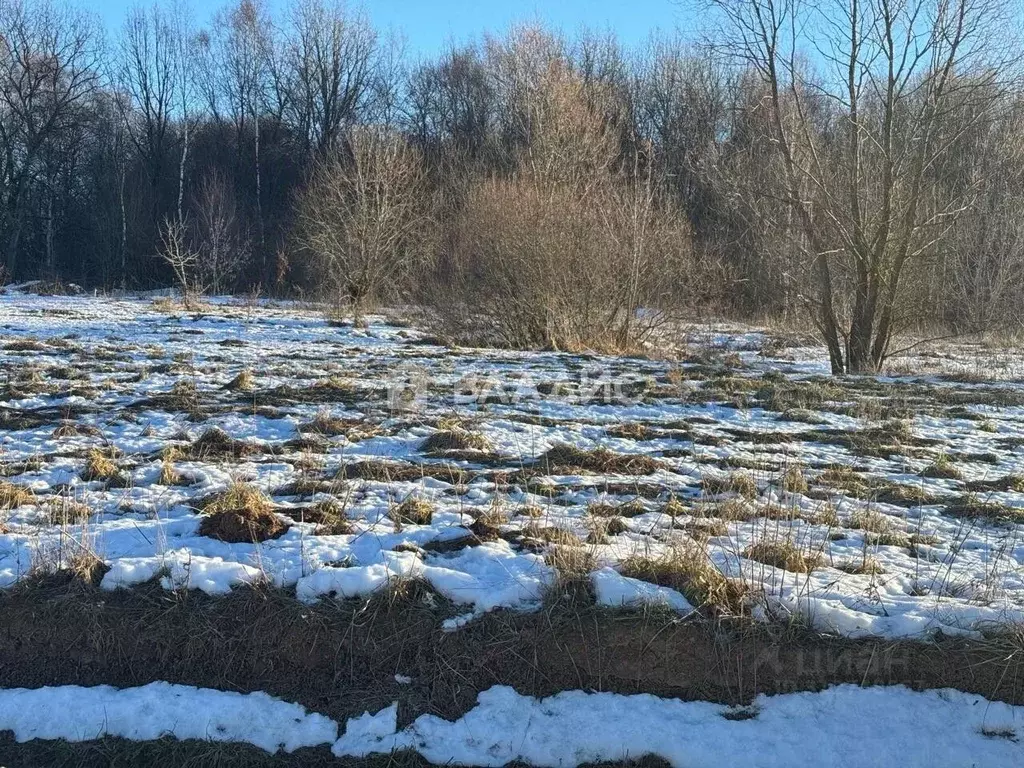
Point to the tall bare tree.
(48, 70)
(858, 139)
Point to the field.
(282, 522)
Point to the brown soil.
(340, 658)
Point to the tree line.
(858, 163)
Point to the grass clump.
(552, 535)
(243, 382)
(866, 566)
(412, 511)
(446, 440)
(740, 483)
(630, 430)
(970, 507)
(71, 429)
(870, 520)
(793, 481)
(100, 466)
(942, 469)
(688, 569)
(12, 495)
(630, 509)
(328, 516)
(65, 511)
(1006, 484)
(215, 443)
(564, 459)
(241, 514)
(782, 554)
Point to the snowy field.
(733, 482)
(265, 445)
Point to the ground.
(252, 498)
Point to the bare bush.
(568, 251)
(366, 217)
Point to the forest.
(857, 164)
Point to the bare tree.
(181, 257)
(366, 217)
(330, 57)
(145, 69)
(857, 144)
(223, 249)
(48, 71)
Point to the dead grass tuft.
(65, 511)
(412, 511)
(782, 554)
(942, 469)
(740, 483)
(101, 466)
(551, 535)
(631, 430)
(688, 569)
(215, 443)
(793, 481)
(12, 496)
(564, 459)
(71, 429)
(866, 566)
(241, 514)
(446, 440)
(970, 507)
(243, 382)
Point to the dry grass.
(12, 496)
(412, 511)
(329, 516)
(243, 382)
(782, 554)
(326, 424)
(567, 459)
(65, 511)
(169, 475)
(215, 443)
(630, 509)
(101, 466)
(942, 468)
(687, 568)
(972, 508)
(1005, 484)
(866, 566)
(241, 514)
(551, 534)
(740, 483)
(631, 430)
(446, 440)
(793, 481)
(71, 429)
(870, 520)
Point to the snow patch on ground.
(845, 725)
(161, 709)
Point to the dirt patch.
(340, 657)
(240, 514)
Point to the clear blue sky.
(429, 24)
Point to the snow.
(161, 709)
(844, 725)
(617, 591)
(961, 578)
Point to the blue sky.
(429, 24)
